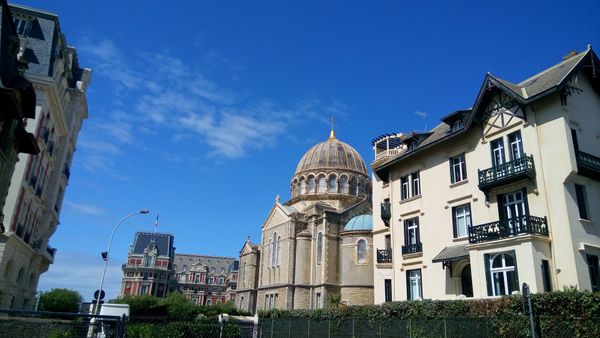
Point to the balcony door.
(513, 209)
(498, 159)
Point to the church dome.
(330, 169)
(360, 223)
(332, 154)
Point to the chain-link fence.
(35, 324)
(513, 326)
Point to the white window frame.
(462, 220)
(459, 168)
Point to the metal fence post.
(445, 327)
(290, 327)
(308, 331)
(271, 327)
(329, 327)
(410, 328)
(352, 327)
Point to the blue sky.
(201, 111)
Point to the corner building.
(38, 182)
(318, 244)
(497, 195)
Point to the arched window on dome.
(353, 186)
(322, 184)
(332, 183)
(311, 184)
(362, 186)
(296, 188)
(302, 186)
(319, 248)
(361, 251)
(344, 184)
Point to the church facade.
(315, 248)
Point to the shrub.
(60, 300)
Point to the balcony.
(506, 173)
(412, 248)
(387, 153)
(386, 212)
(505, 228)
(588, 165)
(384, 256)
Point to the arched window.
(275, 251)
(361, 251)
(21, 275)
(344, 184)
(311, 184)
(269, 252)
(503, 274)
(353, 186)
(302, 186)
(319, 248)
(296, 188)
(322, 184)
(331, 183)
(32, 280)
(278, 250)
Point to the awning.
(452, 254)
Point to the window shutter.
(488, 277)
(516, 278)
(454, 221)
(500, 202)
(406, 232)
(452, 180)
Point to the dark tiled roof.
(551, 77)
(452, 253)
(164, 243)
(216, 262)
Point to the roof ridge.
(207, 256)
(580, 55)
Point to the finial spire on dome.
(332, 133)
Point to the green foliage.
(143, 305)
(61, 333)
(60, 300)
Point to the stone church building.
(316, 247)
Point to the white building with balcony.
(497, 195)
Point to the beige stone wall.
(357, 295)
(301, 298)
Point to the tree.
(60, 300)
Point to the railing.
(387, 153)
(505, 228)
(412, 248)
(384, 255)
(588, 165)
(506, 172)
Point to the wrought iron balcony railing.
(510, 227)
(506, 172)
(384, 256)
(588, 165)
(412, 248)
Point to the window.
(592, 261)
(332, 184)
(311, 184)
(22, 25)
(211, 280)
(269, 252)
(318, 300)
(322, 187)
(302, 186)
(274, 250)
(411, 231)
(361, 251)
(403, 187)
(319, 248)
(457, 125)
(278, 250)
(388, 242)
(497, 147)
(415, 183)
(547, 281)
(458, 169)
(512, 209)
(461, 220)
(581, 201)
(414, 284)
(516, 145)
(501, 273)
(344, 184)
(387, 286)
(353, 186)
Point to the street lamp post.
(105, 256)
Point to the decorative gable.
(276, 217)
(501, 111)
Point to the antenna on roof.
(422, 115)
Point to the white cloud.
(82, 272)
(84, 208)
(168, 95)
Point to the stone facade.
(303, 257)
(38, 183)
